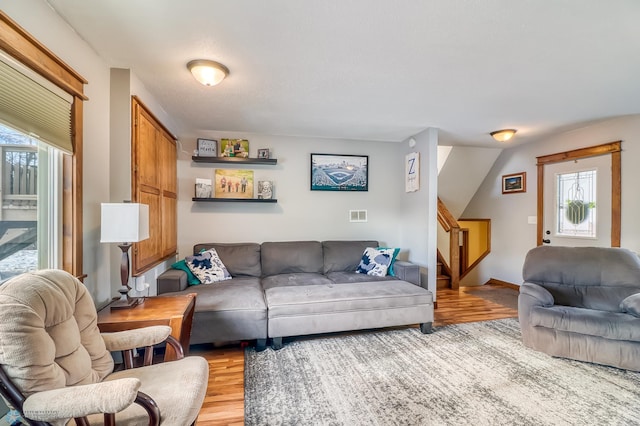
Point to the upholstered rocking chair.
(55, 365)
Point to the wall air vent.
(357, 215)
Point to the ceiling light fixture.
(208, 73)
(503, 135)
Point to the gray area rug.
(465, 374)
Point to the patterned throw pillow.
(375, 261)
(393, 259)
(208, 267)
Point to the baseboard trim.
(507, 284)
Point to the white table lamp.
(124, 223)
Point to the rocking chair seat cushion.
(170, 391)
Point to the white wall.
(418, 210)
(511, 236)
(299, 214)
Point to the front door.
(579, 197)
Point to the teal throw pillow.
(396, 250)
(182, 265)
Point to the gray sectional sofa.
(582, 303)
(294, 288)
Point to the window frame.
(22, 46)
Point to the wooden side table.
(174, 311)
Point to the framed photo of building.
(516, 182)
(333, 172)
(234, 183)
(207, 148)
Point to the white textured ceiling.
(376, 69)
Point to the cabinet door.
(147, 151)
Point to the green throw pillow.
(396, 250)
(182, 265)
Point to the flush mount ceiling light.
(208, 73)
(503, 135)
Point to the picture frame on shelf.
(514, 183)
(339, 172)
(263, 153)
(233, 183)
(203, 188)
(265, 190)
(234, 148)
(207, 147)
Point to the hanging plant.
(577, 211)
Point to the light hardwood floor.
(224, 403)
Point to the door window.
(576, 211)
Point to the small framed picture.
(207, 148)
(516, 182)
(234, 148)
(263, 153)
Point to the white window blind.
(33, 105)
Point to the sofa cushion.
(343, 255)
(208, 267)
(243, 293)
(332, 298)
(241, 259)
(591, 322)
(288, 280)
(375, 261)
(353, 277)
(291, 257)
(631, 305)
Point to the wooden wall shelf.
(235, 200)
(236, 160)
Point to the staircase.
(443, 280)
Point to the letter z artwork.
(412, 172)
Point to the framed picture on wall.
(333, 172)
(516, 182)
(207, 148)
(232, 183)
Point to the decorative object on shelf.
(203, 188)
(124, 223)
(330, 172)
(234, 183)
(503, 135)
(234, 148)
(208, 73)
(412, 172)
(516, 182)
(263, 153)
(207, 148)
(265, 189)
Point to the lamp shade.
(124, 222)
(208, 73)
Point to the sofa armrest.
(172, 280)
(540, 296)
(407, 271)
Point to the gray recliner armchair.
(582, 303)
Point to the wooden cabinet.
(154, 182)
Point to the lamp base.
(128, 303)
